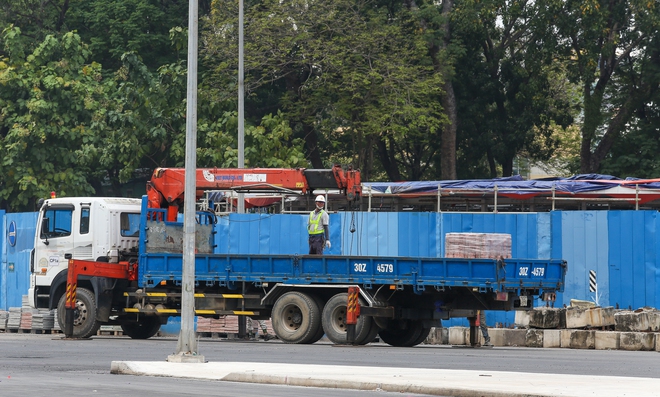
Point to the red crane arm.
(167, 185)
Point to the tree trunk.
(389, 162)
(312, 145)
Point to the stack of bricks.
(478, 245)
(226, 325)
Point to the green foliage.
(53, 106)
(350, 78)
(504, 85)
(268, 145)
(114, 27)
(608, 48)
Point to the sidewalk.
(404, 380)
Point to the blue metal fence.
(15, 269)
(622, 247)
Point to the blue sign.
(11, 235)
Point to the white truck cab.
(87, 228)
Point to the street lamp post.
(187, 344)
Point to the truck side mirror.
(45, 227)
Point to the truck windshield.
(130, 224)
(56, 223)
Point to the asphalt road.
(31, 364)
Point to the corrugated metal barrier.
(622, 247)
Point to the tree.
(611, 49)
(114, 27)
(53, 106)
(357, 73)
(109, 27)
(507, 102)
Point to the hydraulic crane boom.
(167, 185)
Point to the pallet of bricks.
(226, 326)
(3, 320)
(25, 319)
(478, 245)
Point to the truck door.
(54, 239)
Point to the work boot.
(268, 337)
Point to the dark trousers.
(316, 242)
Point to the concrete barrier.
(551, 338)
(547, 318)
(498, 336)
(637, 341)
(601, 316)
(607, 340)
(515, 337)
(565, 338)
(534, 338)
(522, 319)
(582, 339)
(577, 317)
(654, 320)
(457, 335)
(627, 321)
(438, 336)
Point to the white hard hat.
(320, 198)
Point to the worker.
(484, 328)
(264, 330)
(317, 227)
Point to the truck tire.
(334, 321)
(404, 333)
(296, 318)
(319, 334)
(373, 333)
(84, 317)
(144, 329)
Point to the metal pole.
(369, 208)
(553, 196)
(240, 208)
(187, 344)
(241, 104)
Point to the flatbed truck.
(135, 280)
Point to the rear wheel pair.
(298, 317)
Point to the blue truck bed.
(439, 273)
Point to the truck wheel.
(84, 316)
(404, 333)
(296, 318)
(334, 321)
(373, 333)
(145, 329)
(319, 333)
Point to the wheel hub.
(80, 313)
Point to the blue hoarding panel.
(15, 268)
